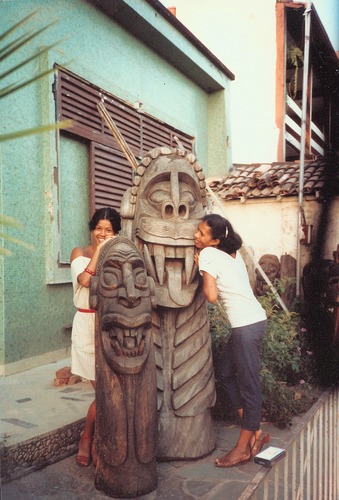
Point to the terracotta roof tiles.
(269, 180)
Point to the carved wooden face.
(125, 299)
(167, 211)
(271, 267)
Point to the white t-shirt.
(234, 289)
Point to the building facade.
(158, 81)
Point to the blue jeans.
(239, 372)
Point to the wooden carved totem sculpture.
(160, 213)
(126, 394)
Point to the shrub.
(287, 363)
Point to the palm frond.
(31, 58)
(11, 222)
(17, 85)
(6, 52)
(21, 41)
(37, 130)
(17, 25)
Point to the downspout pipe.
(307, 15)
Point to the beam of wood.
(116, 133)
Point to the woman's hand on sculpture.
(103, 243)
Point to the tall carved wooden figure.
(161, 213)
(126, 423)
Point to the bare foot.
(234, 457)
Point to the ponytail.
(222, 230)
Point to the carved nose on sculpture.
(170, 210)
(129, 292)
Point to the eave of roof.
(269, 180)
(159, 7)
(169, 38)
(319, 37)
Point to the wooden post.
(116, 133)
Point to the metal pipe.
(307, 15)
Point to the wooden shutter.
(155, 133)
(77, 99)
(111, 175)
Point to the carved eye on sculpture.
(158, 196)
(188, 197)
(140, 279)
(112, 278)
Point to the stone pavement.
(40, 427)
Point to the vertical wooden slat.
(309, 439)
(111, 175)
(325, 448)
(321, 453)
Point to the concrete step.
(40, 423)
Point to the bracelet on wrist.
(92, 273)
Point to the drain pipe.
(307, 15)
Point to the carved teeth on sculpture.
(139, 336)
(129, 342)
(149, 263)
(189, 263)
(170, 252)
(156, 268)
(159, 260)
(120, 336)
(180, 252)
(194, 272)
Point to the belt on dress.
(86, 310)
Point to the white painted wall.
(242, 35)
(270, 225)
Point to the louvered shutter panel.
(77, 100)
(155, 133)
(111, 175)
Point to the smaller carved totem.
(126, 423)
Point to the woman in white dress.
(104, 225)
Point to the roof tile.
(269, 180)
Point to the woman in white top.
(104, 225)
(225, 278)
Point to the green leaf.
(21, 41)
(7, 237)
(31, 58)
(65, 124)
(17, 25)
(16, 86)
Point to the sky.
(328, 11)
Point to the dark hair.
(106, 213)
(221, 229)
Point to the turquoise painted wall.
(37, 294)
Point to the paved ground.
(32, 406)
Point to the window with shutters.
(110, 171)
